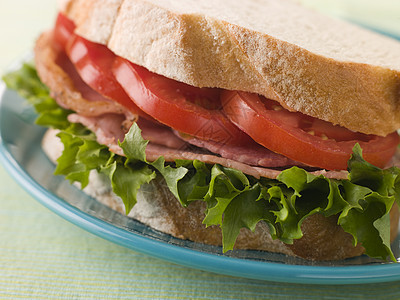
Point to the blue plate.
(22, 156)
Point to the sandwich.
(244, 124)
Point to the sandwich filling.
(248, 157)
(215, 119)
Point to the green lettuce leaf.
(134, 147)
(234, 200)
(127, 180)
(27, 83)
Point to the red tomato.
(191, 110)
(94, 62)
(302, 138)
(63, 30)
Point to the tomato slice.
(191, 110)
(302, 138)
(63, 30)
(94, 62)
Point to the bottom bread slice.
(156, 207)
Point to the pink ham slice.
(253, 154)
(106, 129)
(160, 134)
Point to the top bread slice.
(308, 62)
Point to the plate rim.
(192, 258)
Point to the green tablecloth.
(43, 256)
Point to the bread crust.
(322, 238)
(202, 50)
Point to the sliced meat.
(160, 134)
(109, 128)
(251, 154)
(106, 131)
(57, 72)
(395, 161)
(154, 151)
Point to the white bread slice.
(310, 63)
